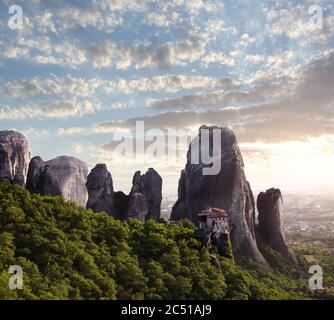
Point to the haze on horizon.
(79, 71)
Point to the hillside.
(68, 252)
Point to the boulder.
(14, 156)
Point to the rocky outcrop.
(137, 207)
(150, 186)
(121, 204)
(227, 189)
(270, 227)
(65, 176)
(35, 180)
(100, 190)
(143, 202)
(218, 238)
(14, 156)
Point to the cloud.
(57, 109)
(168, 83)
(35, 133)
(157, 19)
(274, 67)
(69, 18)
(15, 52)
(65, 87)
(246, 40)
(42, 50)
(45, 23)
(221, 98)
(70, 131)
(296, 23)
(144, 55)
(51, 86)
(255, 58)
(17, 88)
(218, 57)
(308, 113)
(122, 5)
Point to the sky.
(80, 72)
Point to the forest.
(68, 252)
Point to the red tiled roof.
(213, 213)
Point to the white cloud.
(15, 52)
(295, 22)
(69, 18)
(54, 87)
(217, 57)
(255, 58)
(157, 19)
(122, 5)
(57, 109)
(51, 86)
(246, 40)
(70, 131)
(35, 133)
(78, 148)
(41, 50)
(17, 88)
(145, 55)
(45, 22)
(167, 83)
(276, 67)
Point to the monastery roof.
(213, 213)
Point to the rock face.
(121, 204)
(65, 176)
(14, 156)
(137, 207)
(35, 180)
(270, 227)
(150, 186)
(218, 238)
(143, 202)
(100, 190)
(228, 189)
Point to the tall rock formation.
(270, 227)
(150, 186)
(100, 190)
(65, 176)
(228, 189)
(35, 180)
(143, 202)
(14, 156)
